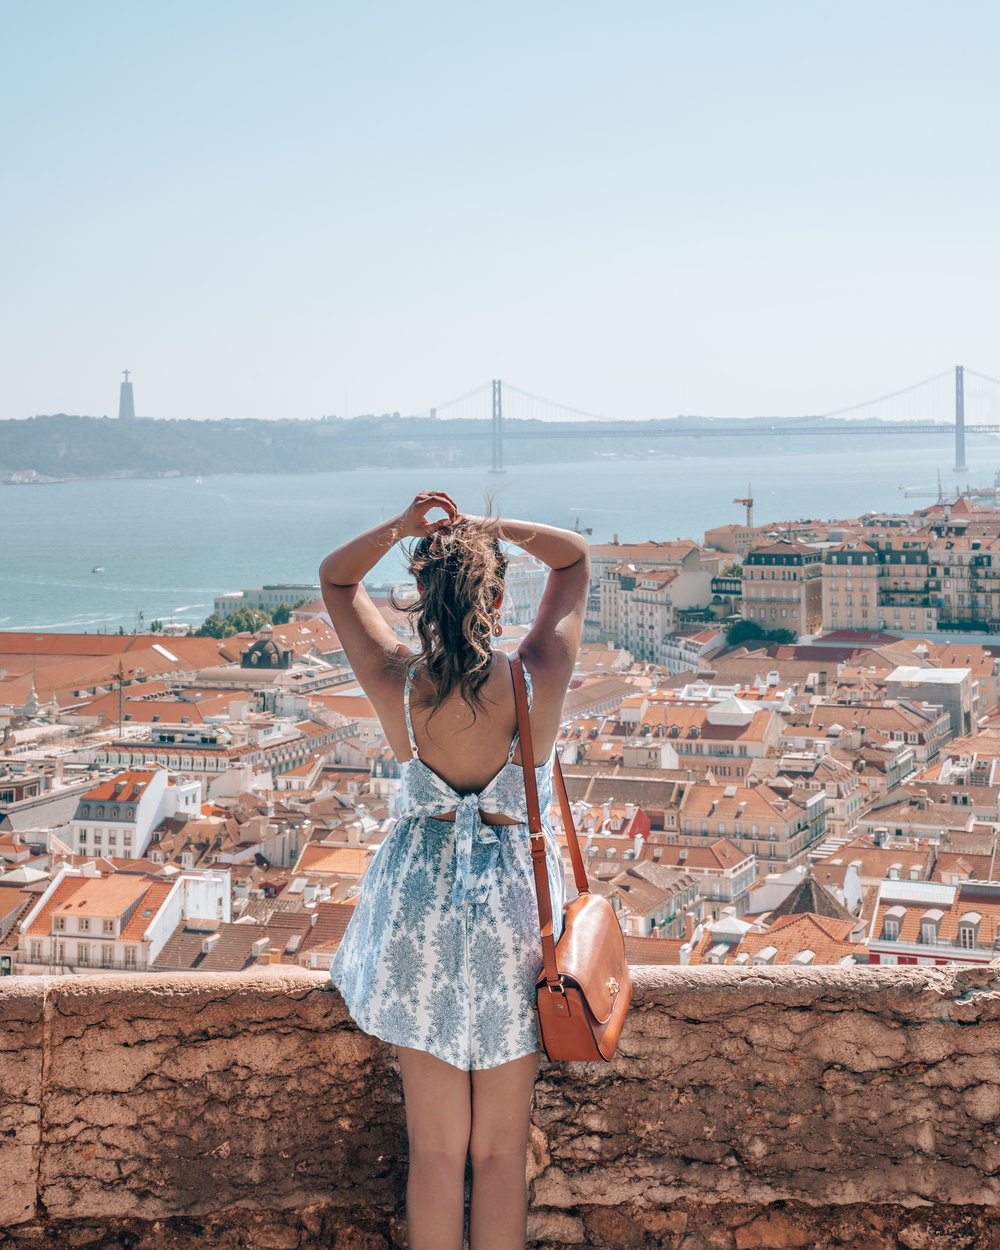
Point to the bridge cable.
(985, 377)
(880, 399)
(450, 403)
(551, 403)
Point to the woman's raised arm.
(551, 644)
(366, 638)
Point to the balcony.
(967, 624)
(907, 598)
(746, 1109)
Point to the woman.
(443, 952)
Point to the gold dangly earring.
(497, 627)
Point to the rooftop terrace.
(746, 1108)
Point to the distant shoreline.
(54, 450)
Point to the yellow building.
(783, 587)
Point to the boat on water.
(197, 480)
(97, 569)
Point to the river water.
(169, 545)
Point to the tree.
(156, 627)
(282, 612)
(247, 620)
(214, 627)
(733, 569)
(743, 631)
(746, 631)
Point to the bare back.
(466, 751)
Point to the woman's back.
(464, 747)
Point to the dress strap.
(517, 734)
(406, 709)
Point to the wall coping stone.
(142, 1098)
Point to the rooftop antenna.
(119, 675)
(748, 504)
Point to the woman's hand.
(414, 521)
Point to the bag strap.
(542, 893)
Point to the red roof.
(132, 783)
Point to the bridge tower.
(497, 427)
(960, 465)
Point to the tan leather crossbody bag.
(585, 987)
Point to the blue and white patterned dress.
(443, 950)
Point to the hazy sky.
(291, 209)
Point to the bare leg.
(501, 1110)
(438, 1117)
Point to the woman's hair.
(459, 572)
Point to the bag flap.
(591, 952)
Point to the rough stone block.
(22, 1029)
(184, 1094)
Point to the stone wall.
(746, 1108)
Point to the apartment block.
(777, 826)
(640, 607)
(118, 817)
(783, 587)
(850, 578)
(683, 556)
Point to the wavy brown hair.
(459, 571)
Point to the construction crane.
(748, 504)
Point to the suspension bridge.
(938, 405)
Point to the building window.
(130, 960)
(83, 924)
(36, 952)
(107, 956)
(109, 926)
(83, 953)
(59, 923)
(890, 930)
